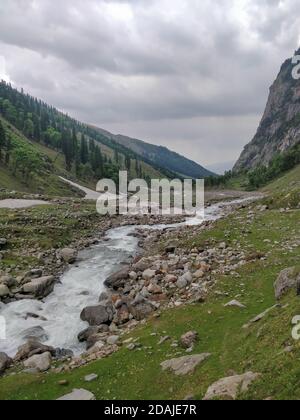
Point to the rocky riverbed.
(144, 285)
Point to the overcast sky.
(192, 75)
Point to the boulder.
(4, 291)
(69, 255)
(117, 280)
(3, 242)
(149, 274)
(5, 362)
(288, 279)
(40, 362)
(184, 365)
(141, 310)
(31, 348)
(35, 333)
(78, 395)
(40, 288)
(89, 332)
(171, 247)
(141, 265)
(123, 315)
(231, 387)
(184, 280)
(113, 340)
(97, 315)
(8, 281)
(189, 339)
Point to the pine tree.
(8, 148)
(2, 139)
(84, 152)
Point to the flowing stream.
(57, 318)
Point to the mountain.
(161, 156)
(279, 129)
(221, 167)
(39, 143)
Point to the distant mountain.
(279, 129)
(161, 156)
(221, 168)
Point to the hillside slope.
(32, 168)
(161, 156)
(279, 129)
(84, 154)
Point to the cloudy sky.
(188, 74)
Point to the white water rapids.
(80, 286)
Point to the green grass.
(45, 228)
(44, 177)
(137, 374)
(285, 191)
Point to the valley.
(140, 306)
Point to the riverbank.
(127, 311)
(265, 347)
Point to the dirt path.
(13, 204)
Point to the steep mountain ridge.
(279, 129)
(161, 156)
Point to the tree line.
(79, 143)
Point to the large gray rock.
(189, 339)
(97, 315)
(78, 395)
(91, 331)
(40, 288)
(5, 362)
(69, 255)
(184, 365)
(141, 310)
(8, 281)
(231, 387)
(288, 279)
(32, 348)
(4, 291)
(119, 279)
(3, 242)
(40, 362)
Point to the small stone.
(163, 340)
(131, 346)
(78, 395)
(235, 303)
(149, 274)
(63, 382)
(91, 378)
(113, 339)
(189, 339)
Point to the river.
(80, 286)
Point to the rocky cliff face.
(280, 126)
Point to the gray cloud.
(187, 74)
